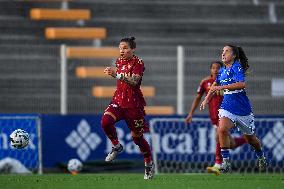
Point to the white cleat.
(114, 152)
(226, 166)
(149, 171)
(262, 164)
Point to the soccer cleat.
(114, 152)
(149, 171)
(262, 164)
(214, 169)
(226, 166)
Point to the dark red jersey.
(215, 101)
(127, 96)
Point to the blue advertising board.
(29, 156)
(81, 136)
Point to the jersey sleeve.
(201, 89)
(217, 80)
(139, 68)
(239, 75)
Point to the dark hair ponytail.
(130, 41)
(240, 56)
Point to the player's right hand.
(110, 71)
(188, 119)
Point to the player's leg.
(246, 125)
(138, 125)
(255, 143)
(225, 125)
(218, 157)
(145, 150)
(109, 118)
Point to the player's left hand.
(215, 88)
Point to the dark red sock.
(144, 148)
(218, 158)
(239, 141)
(109, 129)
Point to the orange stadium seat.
(75, 33)
(159, 110)
(44, 0)
(91, 72)
(60, 14)
(92, 52)
(103, 91)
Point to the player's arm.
(194, 105)
(231, 87)
(131, 80)
(208, 96)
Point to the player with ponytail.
(235, 110)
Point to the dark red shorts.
(134, 117)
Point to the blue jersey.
(235, 101)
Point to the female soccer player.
(214, 105)
(235, 110)
(128, 103)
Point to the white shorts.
(245, 124)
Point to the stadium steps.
(158, 31)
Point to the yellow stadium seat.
(59, 14)
(91, 72)
(75, 33)
(92, 52)
(159, 110)
(103, 91)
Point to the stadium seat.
(159, 110)
(59, 14)
(91, 72)
(103, 91)
(92, 52)
(75, 33)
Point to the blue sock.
(259, 153)
(225, 153)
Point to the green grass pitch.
(135, 181)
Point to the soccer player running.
(128, 104)
(235, 110)
(214, 105)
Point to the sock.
(239, 141)
(218, 156)
(144, 149)
(109, 129)
(259, 153)
(225, 153)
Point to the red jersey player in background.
(213, 105)
(128, 104)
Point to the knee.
(107, 120)
(222, 130)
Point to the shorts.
(134, 117)
(245, 124)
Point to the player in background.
(128, 104)
(235, 110)
(214, 105)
